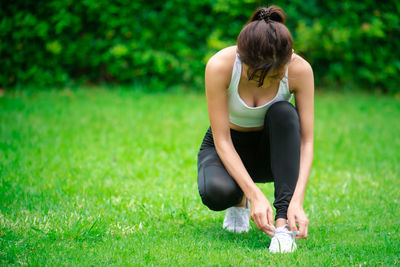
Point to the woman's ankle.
(280, 222)
(243, 203)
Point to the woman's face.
(274, 76)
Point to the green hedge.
(164, 43)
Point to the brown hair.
(265, 43)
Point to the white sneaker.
(237, 219)
(283, 241)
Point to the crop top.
(243, 115)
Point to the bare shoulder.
(299, 66)
(219, 66)
(300, 71)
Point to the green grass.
(109, 177)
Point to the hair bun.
(273, 13)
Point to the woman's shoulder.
(221, 63)
(224, 55)
(300, 73)
(299, 66)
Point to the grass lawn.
(109, 177)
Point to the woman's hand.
(295, 215)
(261, 213)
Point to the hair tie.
(263, 15)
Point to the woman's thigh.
(253, 149)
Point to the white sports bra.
(243, 115)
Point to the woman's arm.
(217, 80)
(304, 98)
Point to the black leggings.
(270, 155)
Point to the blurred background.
(161, 44)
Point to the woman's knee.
(217, 189)
(283, 114)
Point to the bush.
(164, 43)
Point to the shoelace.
(290, 233)
(285, 234)
(285, 230)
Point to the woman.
(256, 135)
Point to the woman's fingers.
(270, 216)
(303, 229)
(262, 215)
(270, 226)
(256, 220)
(261, 221)
(292, 223)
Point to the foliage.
(163, 43)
